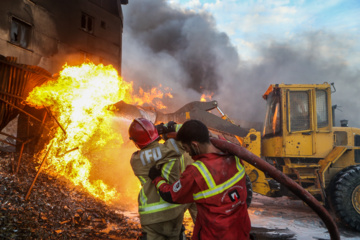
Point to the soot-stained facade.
(50, 33)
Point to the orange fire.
(153, 97)
(79, 99)
(206, 97)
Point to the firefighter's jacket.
(217, 183)
(152, 208)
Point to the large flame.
(80, 99)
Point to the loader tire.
(330, 189)
(344, 194)
(249, 191)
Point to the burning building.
(37, 39)
(48, 34)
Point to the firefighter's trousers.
(169, 230)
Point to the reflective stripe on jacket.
(213, 188)
(152, 208)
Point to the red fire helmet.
(142, 132)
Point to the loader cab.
(297, 117)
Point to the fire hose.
(276, 174)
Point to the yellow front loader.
(300, 140)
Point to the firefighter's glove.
(171, 126)
(161, 128)
(154, 172)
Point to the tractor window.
(357, 140)
(272, 119)
(299, 110)
(357, 151)
(357, 155)
(321, 109)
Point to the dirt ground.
(58, 210)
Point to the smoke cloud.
(185, 51)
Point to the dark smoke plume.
(183, 50)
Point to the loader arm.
(200, 111)
(193, 110)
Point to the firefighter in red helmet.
(159, 219)
(142, 132)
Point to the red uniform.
(216, 182)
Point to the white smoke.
(185, 51)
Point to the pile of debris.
(55, 209)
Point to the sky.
(236, 49)
(253, 23)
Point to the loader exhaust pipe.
(294, 187)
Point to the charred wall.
(49, 33)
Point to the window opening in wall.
(103, 24)
(20, 33)
(87, 23)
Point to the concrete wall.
(56, 36)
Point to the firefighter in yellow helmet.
(159, 220)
